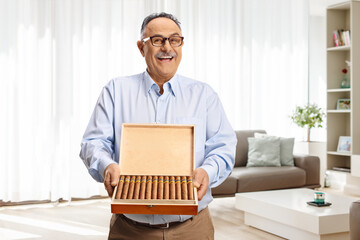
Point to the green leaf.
(309, 116)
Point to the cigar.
(161, 188)
(166, 187)
(154, 187)
(148, 187)
(143, 187)
(137, 187)
(172, 187)
(120, 187)
(131, 188)
(184, 192)
(178, 188)
(190, 188)
(126, 187)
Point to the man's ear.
(140, 45)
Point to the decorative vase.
(345, 83)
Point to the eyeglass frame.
(164, 40)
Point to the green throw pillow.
(264, 152)
(286, 149)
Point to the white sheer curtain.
(254, 53)
(55, 56)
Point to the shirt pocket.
(199, 129)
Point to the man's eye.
(157, 40)
(175, 40)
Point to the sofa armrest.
(311, 165)
(355, 220)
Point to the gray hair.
(157, 15)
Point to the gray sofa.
(305, 173)
(355, 221)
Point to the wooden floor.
(90, 219)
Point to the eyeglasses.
(159, 41)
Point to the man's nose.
(166, 46)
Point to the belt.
(158, 226)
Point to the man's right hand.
(111, 179)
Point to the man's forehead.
(162, 26)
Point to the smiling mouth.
(165, 58)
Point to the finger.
(196, 180)
(110, 190)
(115, 180)
(196, 184)
(202, 191)
(107, 184)
(107, 179)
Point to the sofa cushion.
(264, 152)
(286, 149)
(241, 155)
(228, 187)
(268, 178)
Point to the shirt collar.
(172, 83)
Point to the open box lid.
(157, 149)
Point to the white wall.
(317, 69)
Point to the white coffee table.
(285, 213)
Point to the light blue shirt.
(136, 99)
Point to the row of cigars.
(155, 187)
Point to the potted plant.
(309, 116)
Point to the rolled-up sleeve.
(97, 146)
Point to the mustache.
(165, 54)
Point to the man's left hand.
(111, 179)
(201, 182)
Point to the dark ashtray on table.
(325, 204)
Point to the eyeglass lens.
(159, 41)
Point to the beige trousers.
(198, 228)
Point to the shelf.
(340, 48)
(339, 172)
(340, 6)
(339, 153)
(343, 16)
(342, 169)
(339, 90)
(339, 111)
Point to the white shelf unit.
(339, 48)
(339, 90)
(343, 122)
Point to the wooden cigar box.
(161, 151)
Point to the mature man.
(159, 95)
